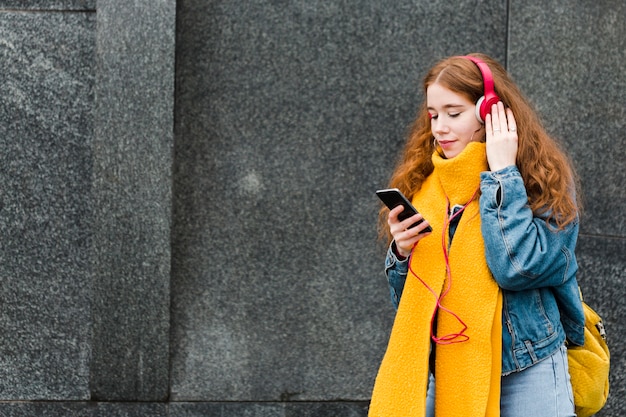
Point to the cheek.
(472, 122)
(470, 129)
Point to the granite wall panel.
(48, 5)
(571, 61)
(182, 409)
(289, 116)
(270, 409)
(602, 277)
(82, 409)
(131, 210)
(46, 124)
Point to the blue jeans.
(543, 390)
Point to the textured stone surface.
(46, 123)
(48, 4)
(575, 73)
(294, 409)
(95, 409)
(132, 199)
(82, 409)
(602, 276)
(289, 117)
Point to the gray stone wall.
(131, 212)
(186, 190)
(46, 131)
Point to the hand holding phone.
(392, 197)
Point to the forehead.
(440, 96)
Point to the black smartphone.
(392, 197)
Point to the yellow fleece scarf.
(467, 373)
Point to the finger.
(407, 223)
(488, 127)
(407, 239)
(416, 229)
(495, 120)
(420, 229)
(502, 118)
(512, 126)
(393, 215)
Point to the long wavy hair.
(551, 182)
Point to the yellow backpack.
(589, 366)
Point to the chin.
(450, 154)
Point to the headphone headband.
(489, 98)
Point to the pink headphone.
(489, 98)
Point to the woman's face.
(453, 120)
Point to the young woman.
(487, 300)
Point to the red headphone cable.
(453, 337)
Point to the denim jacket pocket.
(536, 331)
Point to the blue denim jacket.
(533, 263)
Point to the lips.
(445, 143)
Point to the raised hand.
(501, 136)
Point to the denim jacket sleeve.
(523, 251)
(396, 271)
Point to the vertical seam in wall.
(170, 363)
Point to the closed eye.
(452, 115)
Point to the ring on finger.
(513, 129)
(496, 130)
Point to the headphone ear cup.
(490, 100)
(479, 109)
(483, 106)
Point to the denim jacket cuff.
(392, 261)
(503, 174)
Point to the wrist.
(398, 252)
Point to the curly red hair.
(550, 180)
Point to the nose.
(439, 127)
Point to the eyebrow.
(448, 106)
